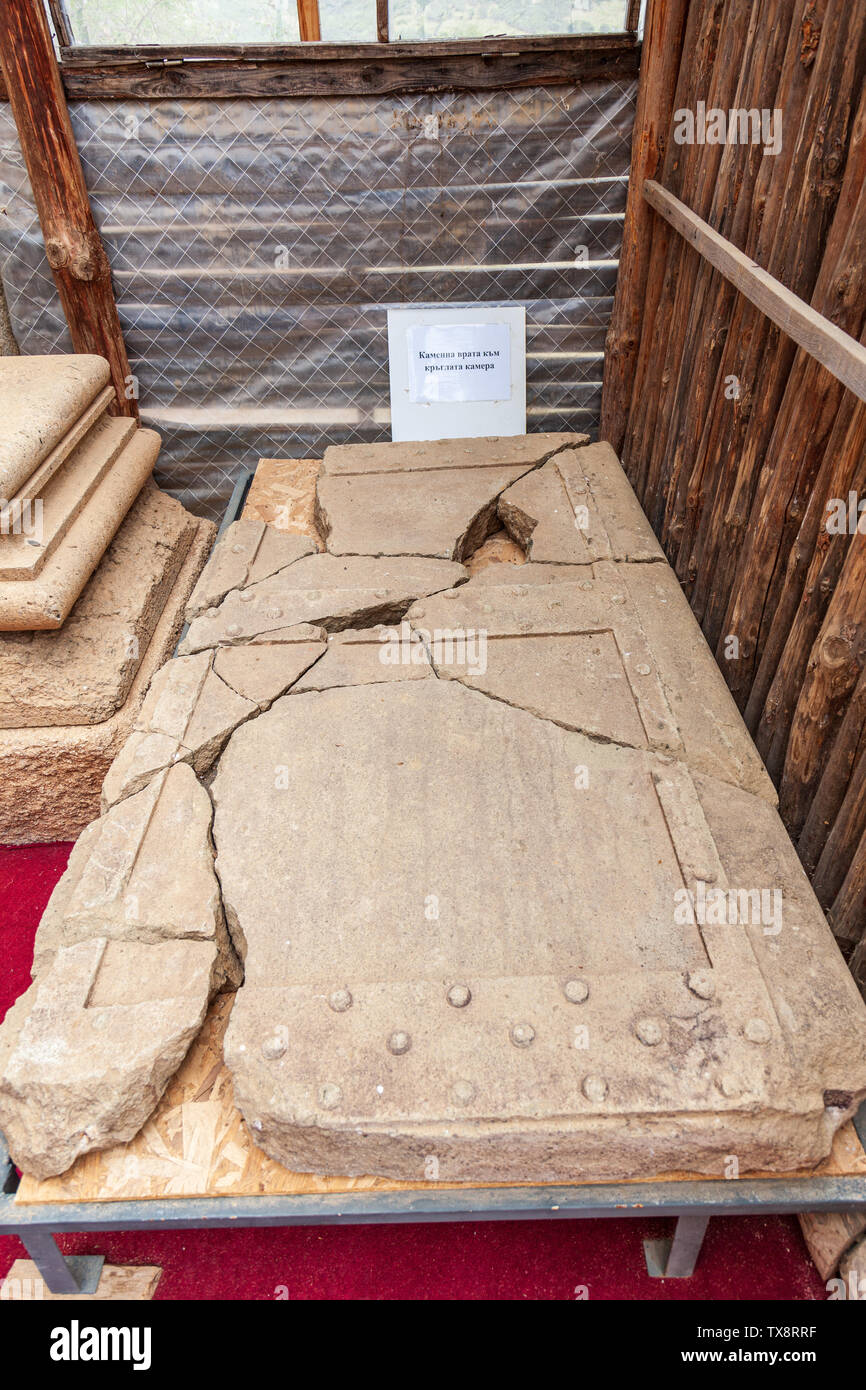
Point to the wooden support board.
(117, 1284)
(836, 350)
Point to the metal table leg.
(77, 1274)
(676, 1258)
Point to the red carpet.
(743, 1257)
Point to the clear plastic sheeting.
(255, 248)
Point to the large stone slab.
(41, 399)
(45, 600)
(437, 972)
(332, 591)
(24, 551)
(610, 649)
(91, 677)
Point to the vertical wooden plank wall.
(737, 441)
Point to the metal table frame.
(692, 1202)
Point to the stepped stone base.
(77, 692)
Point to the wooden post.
(655, 104)
(308, 21)
(72, 243)
(382, 21)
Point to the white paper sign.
(457, 371)
(459, 362)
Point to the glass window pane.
(474, 19)
(348, 21)
(118, 22)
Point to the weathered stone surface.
(263, 670)
(366, 656)
(51, 775)
(331, 590)
(82, 673)
(618, 529)
(444, 512)
(187, 716)
(283, 493)
(44, 601)
(86, 1053)
(537, 513)
(461, 993)
(578, 508)
(523, 450)
(247, 552)
(612, 650)
(142, 872)
(24, 551)
(41, 398)
(436, 499)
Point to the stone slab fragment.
(612, 649)
(537, 512)
(44, 601)
(42, 526)
(86, 1053)
(144, 871)
(247, 552)
(51, 776)
(579, 508)
(461, 993)
(367, 656)
(617, 528)
(262, 670)
(445, 513)
(330, 590)
(41, 398)
(186, 717)
(524, 451)
(283, 493)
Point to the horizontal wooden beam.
(323, 69)
(836, 350)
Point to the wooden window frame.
(313, 68)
